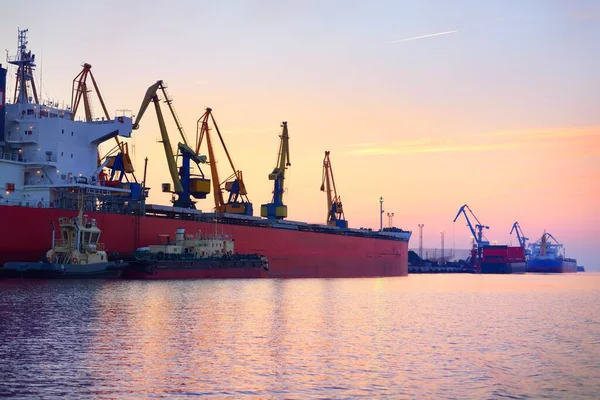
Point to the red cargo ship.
(297, 251)
(47, 157)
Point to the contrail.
(424, 36)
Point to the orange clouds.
(586, 138)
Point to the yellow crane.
(185, 185)
(276, 209)
(335, 211)
(238, 202)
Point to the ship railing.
(12, 157)
(6, 200)
(18, 157)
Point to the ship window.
(63, 131)
(71, 133)
(53, 115)
(65, 236)
(30, 112)
(43, 114)
(71, 155)
(62, 153)
(94, 237)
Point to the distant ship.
(47, 155)
(547, 255)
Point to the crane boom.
(80, 91)
(184, 185)
(276, 209)
(520, 236)
(335, 210)
(237, 202)
(476, 231)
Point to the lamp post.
(421, 240)
(442, 233)
(381, 213)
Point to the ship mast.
(25, 62)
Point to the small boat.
(77, 254)
(194, 257)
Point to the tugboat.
(77, 254)
(194, 257)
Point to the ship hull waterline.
(41, 270)
(193, 270)
(552, 266)
(291, 254)
(510, 267)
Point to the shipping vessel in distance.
(548, 255)
(48, 156)
(490, 258)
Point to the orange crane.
(335, 211)
(118, 157)
(238, 202)
(80, 91)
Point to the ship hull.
(514, 267)
(41, 270)
(196, 269)
(554, 266)
(291, 253)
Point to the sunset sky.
(430, 104)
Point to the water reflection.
(436, 336)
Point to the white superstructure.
(44, 149)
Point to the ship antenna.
(41, 71)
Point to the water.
(425, 336)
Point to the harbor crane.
(237, 202)
(185, 184)
(80, 91)
(117, 159)
(477, 231)
(276, 209)
(520, 236)
(335, 211)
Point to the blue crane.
(476, 231)
(520, 236)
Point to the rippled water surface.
(425, 336)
